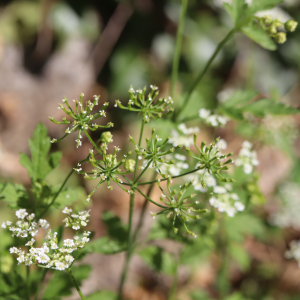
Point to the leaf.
(15, 195)
(243, 224)
(61, 283)
(259, 36)
(115, 228)
(258, 5)
(67, 196)
(236, 9)
(240, 255)
(40, 163)
(158, 260)
(103, 295)
(104, 245)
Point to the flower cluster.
(294, 251)
(153, 155)
(210, 160)
(183, 135)
(83, 118)
(247, 158)
(25, 227)
(225, 201)
(50, 254)
(212, 119)
(272, 27)
(107, 169)
(147, 106)
(176, 207)
(201, 180)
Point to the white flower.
(69, 243)
(44, 224)
(21, 213)
(204, 113)
(219, 190)
(69, 258)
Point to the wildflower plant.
(177, 160)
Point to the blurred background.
(54, 49)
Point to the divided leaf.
(40, 163)
(15, 195)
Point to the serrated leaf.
(40, 163)
(158, 260)
(259, 36)
(15, 195)
(61, 283)
(103, 295)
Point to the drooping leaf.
(40, 163)
(158, 259)
(259, 36)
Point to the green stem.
(172, 292)
(137, 156)
(75, 284)
(40, 284)
(27, 282)
(179, 36)
(173, 177)
(129, 249)
(91, 140)
(149, 199)
(202, 73)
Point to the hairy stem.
(179, 36)
(202, 73)
(75, 284)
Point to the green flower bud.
(267, 20)
(129, 165)
(106, 137)
(277, 23)
(290, 25)
(273, 29)
(280, 37)
(111, 160)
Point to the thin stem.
(129, 248)
(141, 174)
(179, 36)
(202, 73)
(173, 177)
(137, 156)
(165, 207)
(91, 140)
(172, 292)
(27, 282)
(75, 284)
(40, 284)
(141, 219)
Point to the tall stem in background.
(175, 65)
(202, 73)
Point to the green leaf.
(40, 163)
(105, 245)
(158, 260)
(67, 196)
(115, 228)
(236, 9)
(103, 295)
(258, 5)
(259, 36)
(15, 195)
(242, 225)
(61, 283)
(240, 255)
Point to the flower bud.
(290, 25)
(267, 20)
(129, 165)
(273, 29)
(280, 37)
(106, 137)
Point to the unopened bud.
(106, 137)
(290, 25)
(280, 37)
(129, 165)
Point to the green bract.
(82, 117)
(210, 160)
(177, 207)
(147, 106)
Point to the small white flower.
(21, 213)
(66, 210)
